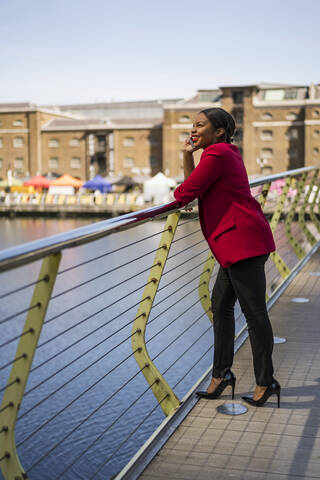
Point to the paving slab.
(265, 443)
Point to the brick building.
(278, 128)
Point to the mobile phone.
(191, 142)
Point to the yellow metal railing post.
(279, 263)
(159, 385)
(203, 288)
(302, 221)
(295, 245)
(264, 194)
(10, 465)
(313, 216)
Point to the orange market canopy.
(66, 181)
(38, 181)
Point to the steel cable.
(185, 273)
(174, 320)
(106, 273)
(37, 305)
(108, 428)
(185, 249)
(180, 334)
(104, 431)
(172, 305)
(188, 371)
(186, 236)
(72, 401)
(44, 279)
(185, 261)
(80, 356)
(88, 335)
(129, 436)
(16, 380)
(31, 330)
(180, 356)
(24, 355)
(10, 404)
(86, 418)
(92, 298)
(77, 375)
(111, 252)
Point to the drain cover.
(300, 300)
(232, 409)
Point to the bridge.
(107, 334)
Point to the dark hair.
(219, 118)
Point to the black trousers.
(246, 281)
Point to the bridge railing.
(106, 329)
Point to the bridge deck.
(265, 443)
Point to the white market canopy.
(157, 189)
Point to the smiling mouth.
(195, 138)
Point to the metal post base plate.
(279, 340)
(232, 409)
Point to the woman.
(240, 238)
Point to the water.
(82, 336)
(91, 324)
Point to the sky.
(83, 51)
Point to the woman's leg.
(223, 299)
(249, 282)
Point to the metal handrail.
(31, 251)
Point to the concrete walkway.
(265, 443)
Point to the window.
(266, 170)
(238, 116)
(266, 135)
(129, 142)
(316, 151)
(277, 94)
(53, 163)
(316, 113)
(1, 142)
(266, 116)
(291, 116)
(185, 119)
(19, 164)
(237, 97)
(238, 134)
(290, 94)
(17, 123)
(183, 136)
(75, 142)
(1, 162)
(316, 133)
(292, 133)
(293, 152)
(18, 142)
(101, 142)
(75, 162)
(53, 143)
(266, 153)
(128, 162)
(154, 142)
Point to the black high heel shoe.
(228, 379)
(273, 388)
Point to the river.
(93, 444)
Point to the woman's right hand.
(189, 146)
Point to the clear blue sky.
(69, 51)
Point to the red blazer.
(232, 221)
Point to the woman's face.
(203, 133)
